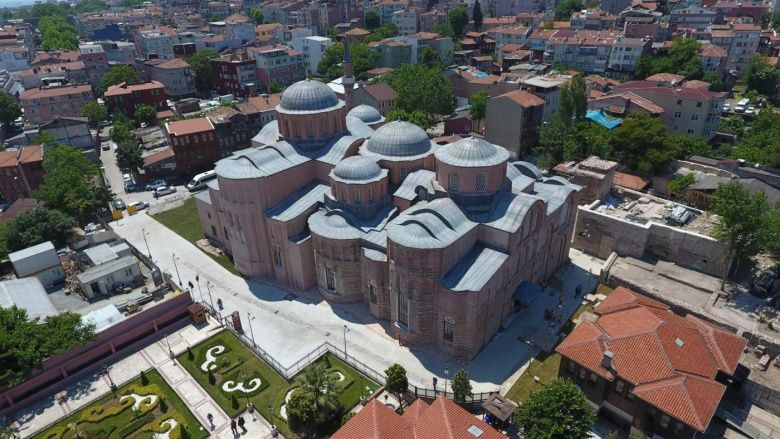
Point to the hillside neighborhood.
(390, 219)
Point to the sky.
(15, 3)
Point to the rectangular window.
(699, 104)
(694, 116)
(677, 115)
(678, 428)
(619, 386)
(372, 293)
(630, 394)
(330, 280)
(592, 379)
(679, 101)
(403, 303)
(449, 329)
(581, 373)
(571, 366)
(664, 421)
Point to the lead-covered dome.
(399, 139)
(366, 113)
(308, 95)
(472, 152)
(357, 168)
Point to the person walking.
(241, 423)
(233, 426)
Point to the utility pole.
(177, 269)
(149, 252)
(251, 330)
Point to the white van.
(742, 105)
(199, 181)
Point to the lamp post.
(197, 281)
(345, 341)
(446, 375)
(211, 299)
(170, 351)
(149, 252)
(177, 269)
(251, 330)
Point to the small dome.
(472, 152)
(357, 168)
(366, 113)
(308, 95)
(398, 139)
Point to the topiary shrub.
(234, 402)
(144, 378)
(135, 425)
(163, 405)
(190, 355)
(212, 378)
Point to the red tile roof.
(176, 63)
(523, 98)
(47, 92)
(123, 88)
(442, 419)
(158, 156)
(189, 126)
(633, 182)
(666, 77)
(688, 93)
(671, 360)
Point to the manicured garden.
(233, 375)
(185, 222)
(143, 407)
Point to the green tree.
(36, 226)
(557, 411)
(461, 386)
(687, 145)
(26, 342)
(128, 156)
(90, 6)
(776, 21)
(9, 109)
(773, 235)
(43, 138)
(274, 87)
(56, 34)
(200, 63)
(459, 18)
(94, 112)
(71, 184)
(117, 75)
(122, 130)
(321, 385)
(762, 76)
(386, 30)
(641, 143)
(396, 381)
(302, 414)
(682, 58)
(257, 16)
(716, 84)
(478, 103)
(416, 117)
(444, 29)
(576, 89)
(423, 88)
(363, 60)
(734, 124)
(741, 226)
(761, 143)
(371, 20)
(679, 185)
(428, 56)
(145, 113)
(476, 13)
(564, 9)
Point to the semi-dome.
(399, 139)
(366, 113)
(357, 168)
(308, 95)
(472, 152)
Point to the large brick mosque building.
(434, 238)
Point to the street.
(113, 175)
(290, 327)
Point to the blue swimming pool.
(602, 119)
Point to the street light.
(149, 252)
(345, 341)
(177, 269)
(446, 375)
(211, 299)
(110, 381)
(170, 351)
(197, 281)
(251, 331)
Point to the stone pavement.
(47, 411)
(288, 327)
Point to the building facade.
(313, 49)
(236, 75)
(194, 144)
(176, 76)
(42, 104)
(278, 63)
(435, 239)
(126, 98)
(21, 172)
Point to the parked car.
(727, 107)
(164, 190)
(156, 184)
(751, 110)
(741, 105)
(139, 205)
(105, 146)
(130, 186)
(118, 204)
(765, 284)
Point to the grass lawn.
(110, 418)
(184, 221)
(238, 361)
(545, 365)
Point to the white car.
(156, 184)
(750, 110)
(139, 205)
(164, 190)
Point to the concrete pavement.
(288, 327)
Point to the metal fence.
(761, 396)
(327, 347)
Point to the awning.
(500, 408)
(526, 292)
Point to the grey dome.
(472, 152)
(366, 113)
(357, 168)
(399, 139)
(308, 95)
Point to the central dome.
(472, 152)
(308, 95)
(399, 139)
(357, 168)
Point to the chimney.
(606, 361)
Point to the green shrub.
(163, 405)
(144, 379)
(234, 402)
(190, 355)
(236, 377)
(135, 425)
(212, 378)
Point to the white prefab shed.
(40, 261)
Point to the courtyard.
(234, 377)
(145, 407)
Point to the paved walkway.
(48, 411)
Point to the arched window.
(370, 194)
(403, 303)
(310, 128)
(298, 130)
(330, 279)
(323, 126)
(357, 195)
(454, 182)
(480, 183)
(449, 329)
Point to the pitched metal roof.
(434, 224)
(299, 201)
(27, 293)
(474, 269)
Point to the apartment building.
(42, 104)
(443, 46)
(127, 97)
(236, 27)
(547, 88)
(406, 21)
(119, 52)
(588, 51)
(95, 60)
(236, 126)
(593, 19)
(688, 108)
(14, 58)
(512, 120)
(176, 76)
(386, 8)
(235, 74)
(278, 63)
(21, 172)
(692, 17)
(313, 49)
(72, 72)
(194, 144)
(713, 58)
(741, 41)
(392, 53)
(626, 52)
(510, 35)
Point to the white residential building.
(313, 49)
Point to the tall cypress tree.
(477, 13)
